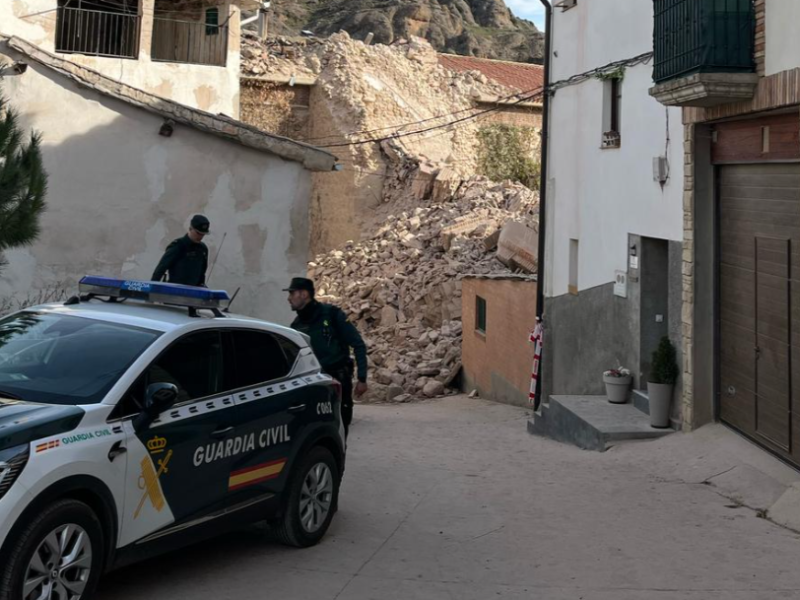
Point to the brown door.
(760, 303)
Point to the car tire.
(77, 526)
(313, 486)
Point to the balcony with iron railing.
(97, 33)
(703, 52)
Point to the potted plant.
(617, 383)
(660, 384)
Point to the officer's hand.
(361, 389)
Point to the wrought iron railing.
(703, 36)
(97, 33)
(189, 42)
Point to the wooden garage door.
(760, 303)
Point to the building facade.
(187, 51)
(614, 222)
(734, 68)
(127, 169)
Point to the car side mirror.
(158, 398)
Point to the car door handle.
(221, 433)
(116, 450)
(297, 408)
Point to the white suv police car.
(131, 428)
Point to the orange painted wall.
(498, 363)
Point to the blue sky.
(528, 9)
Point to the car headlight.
(12, 461)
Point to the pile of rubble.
(373, 88)
(402, 286)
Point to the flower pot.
(617, 388)
(660, 395)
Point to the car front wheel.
(57, 556)
(311, 500)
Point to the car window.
(193, 364)
(290, 349)
(64, 359)
(258, 358)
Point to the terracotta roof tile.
(518, 76)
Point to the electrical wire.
(402, 125)
(573, 80)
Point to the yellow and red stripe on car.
(255, 474)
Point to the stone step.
(592, 422)
(641, 400)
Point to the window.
(212, 21)
(98, 28)
(480, 314)
(573, 266)
(612, 113)
(193, 363)
(259, 358)
(58, 359)
(290, 349)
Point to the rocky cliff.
(484, 28)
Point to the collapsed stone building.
(407, 216)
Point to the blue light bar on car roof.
(154, 291)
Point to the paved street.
(453, 499)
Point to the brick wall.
(687, 316)
(498, 363)
(513, 115)
(761, 36)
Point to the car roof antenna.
(227, 309)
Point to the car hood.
(23, 422)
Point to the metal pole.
(213, 264)
(540, 271)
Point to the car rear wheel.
(57, 556)
(311, 500)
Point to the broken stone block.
(393, 391)
(518, 246)
(388, 316)
(433, 388)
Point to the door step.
(592, 422)
(641, 400)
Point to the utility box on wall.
(499, 313)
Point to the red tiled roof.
(519, 76)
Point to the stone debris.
(375, 88)
(402, 285)
(433, 220)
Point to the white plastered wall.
(599, 196)
(783, 41)
(119, 193)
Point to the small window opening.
(480, 314)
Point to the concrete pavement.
(454, 499)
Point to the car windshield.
(61, 359)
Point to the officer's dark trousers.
(345, 377)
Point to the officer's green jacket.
(332, 336)
(185, 261)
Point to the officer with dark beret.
(186, 258)
(332, 337)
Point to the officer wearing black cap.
(186, 259)
(332, 336)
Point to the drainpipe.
(548, 39)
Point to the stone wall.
(277, 108)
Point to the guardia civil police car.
(130, 426)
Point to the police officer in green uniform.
(332, 337)
(186, 258)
